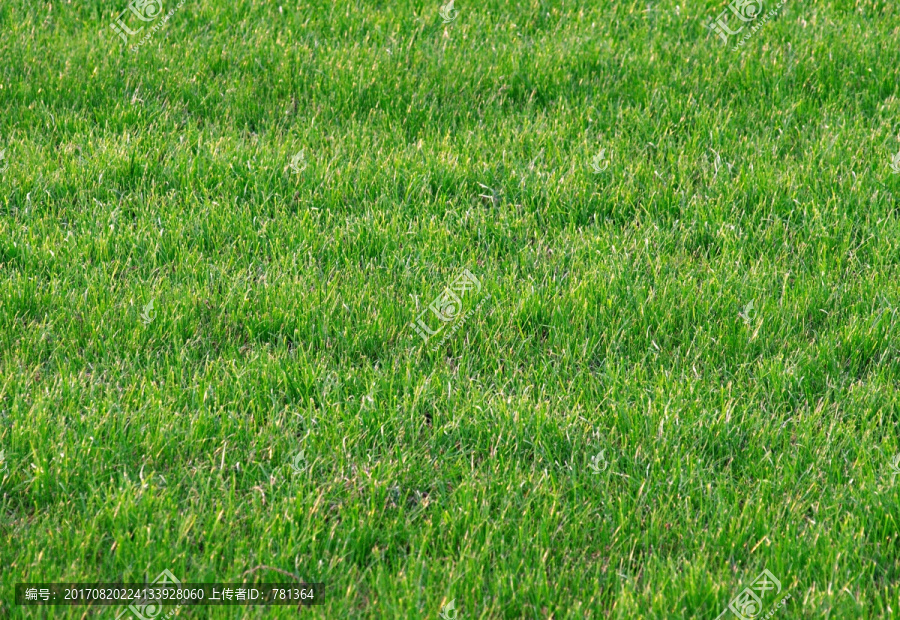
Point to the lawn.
(536, 309)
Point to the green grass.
(283, 303)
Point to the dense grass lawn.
(671, 362)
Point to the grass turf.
(734, 438)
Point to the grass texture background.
(283, 303)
